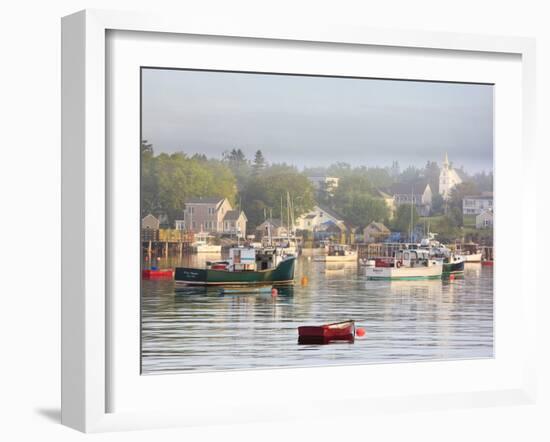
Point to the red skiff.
(157, 274)
(336, 330)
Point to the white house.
(484, 220)
(448, 178)
(474, 205)
(213, 215)
(316, 217)
(418, 193)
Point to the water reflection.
(203, 329)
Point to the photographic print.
(300, 221)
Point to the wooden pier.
(165, 242)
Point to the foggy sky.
(316, 121)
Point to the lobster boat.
(409, 264)
(337, 330)
(338, 253)
(245, 267)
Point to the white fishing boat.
(202, 244)
(470, 252)
(409, 264)
(338, 253)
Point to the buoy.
(274, 292)
(451, 277)
(360, 332)
(304, 280)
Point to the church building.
(448, 178)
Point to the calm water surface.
(200, 329)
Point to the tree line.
(264, 189)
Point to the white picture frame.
(86, 212)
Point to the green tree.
(431, 174)
(401, 222)
(149, 180)
(460, 191)
(438, 204)
(361, 209)
(269, 191)
(259, 162)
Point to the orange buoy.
(274, 292)
(304, 280)
(360, 332)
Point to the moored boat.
(157, 273)
(245, 266)
(338, 253)
(409, 264)
(336, 330)
(203, 244)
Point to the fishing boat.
(338, 253)
(344, 330)
(245, 266)
(202, 244)
(470, 252)
(286, 244)
(157, 273)
(407, 264)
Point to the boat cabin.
(413, 258)
(338, 250)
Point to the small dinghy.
(337, 330)
(157, 273)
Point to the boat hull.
(282, 274)
(475, 257)
(341, 330)
(404, 273)
(157, 274)
(453, 268)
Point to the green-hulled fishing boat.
(245, 266)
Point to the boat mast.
(412, 205)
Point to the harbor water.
(200, 329)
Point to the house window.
(210, 210)
(191, 210)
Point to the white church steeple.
(448, 178)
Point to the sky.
(316, 121)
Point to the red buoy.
(274, 292)
(360, 332)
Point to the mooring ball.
(360, 332)
(274, 292)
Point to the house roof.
(205, 200)
(479, 197)
(378, 226)
(275, 222)
(233, 215)
(417, 188)
(332, 213)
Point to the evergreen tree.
(259, 162)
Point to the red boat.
(157, 273)
(337, 330)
